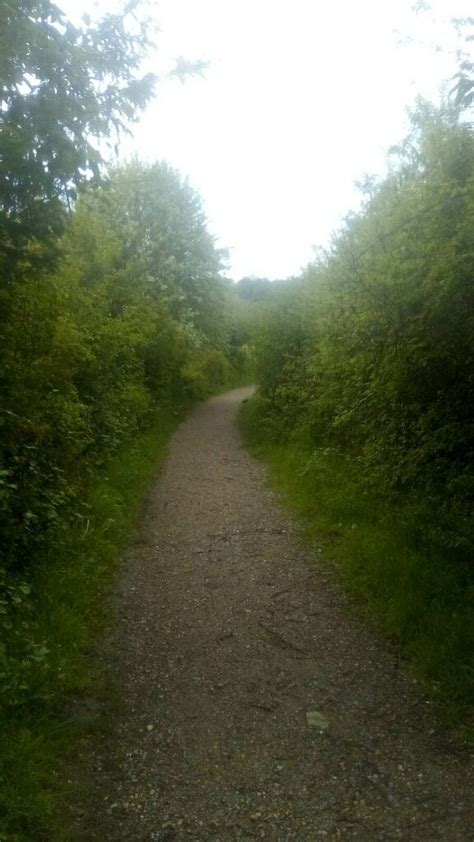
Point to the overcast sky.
(301, 99)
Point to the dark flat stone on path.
(253, 704)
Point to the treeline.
(366, 372)
(132, 326)
(134, 315)
(112, 305)
(114, 320)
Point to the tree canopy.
(63, 89)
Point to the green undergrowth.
(65, 612)
(413, 591)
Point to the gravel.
(253, 703)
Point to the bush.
(366, 368)
(206, 373)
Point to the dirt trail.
(253, 704)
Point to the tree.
(63, 88)
(133, 317)
(254, 289)
(464, 88)
(162, 225)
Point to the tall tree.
(63, 88)
(163, 226)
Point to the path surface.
(253, 704)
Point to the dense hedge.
(134, 319)
(89, 351)
(373, 351)
(367, 372)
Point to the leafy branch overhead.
(463, 90)
(63, 88)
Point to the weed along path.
(253, 704)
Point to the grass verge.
(68, 614)
(415, 593)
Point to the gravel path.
(253, 704)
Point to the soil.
(253, 702)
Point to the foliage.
(254, 289)
(463, 91)
(410, 591)
(371, 357)
(133, 324)
(54, 619)
(162, 226)
(375, 352)
(90, 353)
(62, 88)
(114, 319)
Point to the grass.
(414, 592)
(70, 612)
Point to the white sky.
(302, 99)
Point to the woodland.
(116, 318)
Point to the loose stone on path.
(315, 719)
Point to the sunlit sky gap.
(300, 101)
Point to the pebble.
(315, 719)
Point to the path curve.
(254, 705)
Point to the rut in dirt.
(253, 704)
